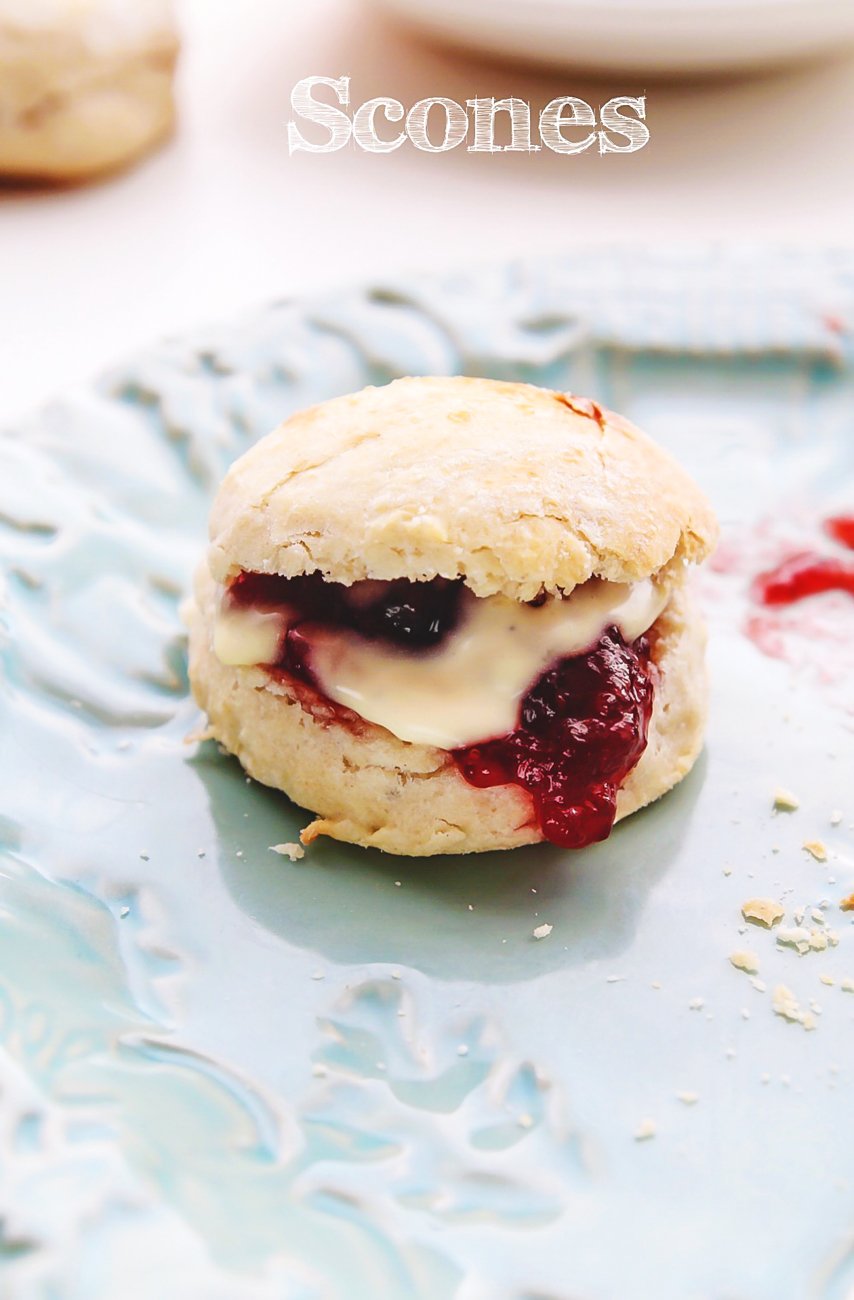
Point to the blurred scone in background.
(85, 85)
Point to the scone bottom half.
(427, 681)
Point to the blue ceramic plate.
(229, 1077)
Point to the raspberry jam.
(841, 528)
(805, 574)
(411, 615)
(582, 728)
(582, 725)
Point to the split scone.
(450, 615)
(85, 85)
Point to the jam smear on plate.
(841, 528)
(802, 575)
(582, 725)
(807, 573)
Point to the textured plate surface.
(227, 1076)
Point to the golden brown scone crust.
(84, 87)
(514, 488)
(369, 788)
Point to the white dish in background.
(653, 36)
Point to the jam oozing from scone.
(582, 728)
(579, 728)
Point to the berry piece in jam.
(582, 728)
(411, 615)
(803, 575)
(414, 615)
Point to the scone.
(451, 615)
(85, 85)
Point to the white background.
(223, 218)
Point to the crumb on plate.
(292, 851)
(764, 911)
(786, 1005)
(816, 848)
(744, 959)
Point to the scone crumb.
(199, 734)
(543, 931)
(847, 984)
(785, 801)
(794, 936)
(836, 817)
(744, 959)
(764, 911)
(688, 1098)
(847, 904)
(814, 940)
(827, 979)
(292, 851)
(310, 833)
(816, 848)
(785, 1004)
(645, 1130)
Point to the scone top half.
(468, 598)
